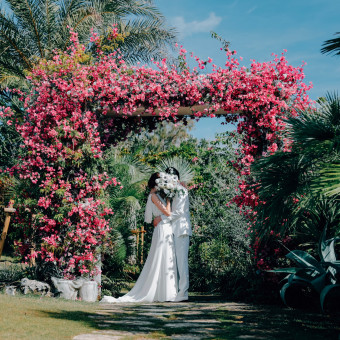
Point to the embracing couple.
(165, 275)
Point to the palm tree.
(32, 29)
(301, 188)
(332, 45)
(127, 202)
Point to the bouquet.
(167, 185)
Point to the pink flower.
(57, 128)
(273, 148)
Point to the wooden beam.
(182, 111)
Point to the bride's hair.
(152, 180)
(173, 171)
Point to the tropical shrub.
(298, 193)
(128, 203)
(294, 185)
(219, 252)
(11, 274)
(322, 277)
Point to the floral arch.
(81, 102)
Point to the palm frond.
(300, 189)
(329, 181)
(11, 76)
(124, 8)
(127, 166)
(284, 179)
(29, 17)
(14, 43)
(146, 39)
(332, 45)
(32, 29)
(318, 131)
(331, 108)
(186, 173)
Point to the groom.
(181, 228)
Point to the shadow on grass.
(84, 318)
(208, 317)
(275, 322)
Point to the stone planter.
(89, 291)
(68, 289)
(10, 290)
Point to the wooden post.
(137, 242)
(136, 232)
(32, 259)
(8, 213)
(142, 231)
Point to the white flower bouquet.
(167, 184)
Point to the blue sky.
(256, 29)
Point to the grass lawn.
(208, 317)
(37, 318)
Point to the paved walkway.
(209, 318)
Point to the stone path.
(206, 318)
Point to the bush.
(11, 274)
(219, 253)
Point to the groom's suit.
(181, 227)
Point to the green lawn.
(37, 318)
(209, 317)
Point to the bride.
(157, 281)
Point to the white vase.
(68, 289)
(89, 291)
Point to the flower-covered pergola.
(82, 102)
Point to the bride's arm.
(166, 210)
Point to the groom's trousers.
(182, 250)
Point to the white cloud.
(188, 28)
(251, 10)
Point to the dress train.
(158, 279)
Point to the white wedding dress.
(158, 279)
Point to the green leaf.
(326, 247)
(59, 217)
(283, 292)
(305, 260)
(285, 287)
(319, 282)
(333, 268)
(309, 276)
(292, 270)
(324, 293)
(329, 180)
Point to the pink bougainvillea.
(68, 124)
